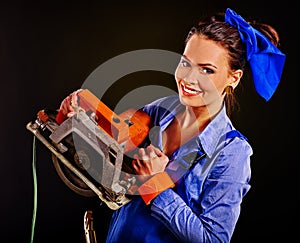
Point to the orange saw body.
(92, 150)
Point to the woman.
(196, 171)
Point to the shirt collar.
(210, 136)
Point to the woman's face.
(202, 73)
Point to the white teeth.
(190, 91)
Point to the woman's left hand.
(149, 162)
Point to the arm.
(209, 215)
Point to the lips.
(188, 91)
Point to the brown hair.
(215, 28)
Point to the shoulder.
(234, 145)
(220, 134)
(227, 149)
(237, 143)
(232, 158)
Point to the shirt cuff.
(154, 186)
(60, 117)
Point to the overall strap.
(181, 165)
(235, 133)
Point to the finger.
(63, 105)
(66, 105)
(158, 151)
(143, 154)
(151, 152)
(70, 114)
(78, 90)
(153, 155)
(135, 157)
(154, 150)
(135, 165)
(74, 98)
(138, 162)
(74, 101)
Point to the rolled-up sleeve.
(208, 214)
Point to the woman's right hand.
(67, 107)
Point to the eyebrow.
(200, 64)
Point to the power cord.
(34, 189)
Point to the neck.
(197, 117)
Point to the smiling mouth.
(188, 91)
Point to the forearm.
(171, 210)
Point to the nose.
(189, 81)
(191, 77)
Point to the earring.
(229, 90)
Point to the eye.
(185, 63)
(205, 70)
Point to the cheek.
(215, 85)
(176, 76)
(177, 80)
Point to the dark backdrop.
(47, 51)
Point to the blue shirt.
(204, 206)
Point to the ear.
(235, 78)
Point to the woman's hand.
(149, 162)
(67, 106)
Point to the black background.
(47, 51)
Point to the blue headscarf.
(265, 59)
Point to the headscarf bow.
(265, 59)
